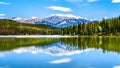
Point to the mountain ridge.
(59, 21)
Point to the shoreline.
(47, 36)
(35, 36)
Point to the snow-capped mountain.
(55, 20)
(63, 20)
(31, 20)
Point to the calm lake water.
(79, 52)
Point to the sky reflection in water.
(59, 55)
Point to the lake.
(70, 52)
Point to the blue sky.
(94, 9)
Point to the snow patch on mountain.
(31, 20)
(66, 15)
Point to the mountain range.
(59, 21)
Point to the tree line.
(103, 27)
(95, 28)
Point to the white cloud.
(34, 17)
(116, 66)
(2, 14)
(92, 0)
(59, 61)
(59, 8)
(4, 3)
(115, 1)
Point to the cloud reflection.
(59, 61)
(2, 55)
(5, 66)
(116, 66)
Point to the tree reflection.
(104, 43)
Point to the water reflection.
(60, 45)
(78, 52)
(56, 49)
(105, 43)
(59, 61)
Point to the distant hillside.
(9, 27)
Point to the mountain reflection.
(59, 46)
(56, 49)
